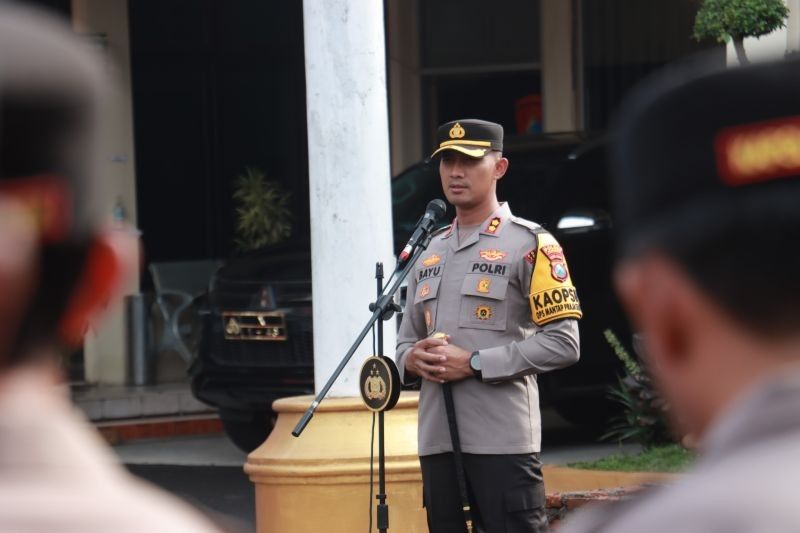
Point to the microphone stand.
(382, 309)
(382, 510)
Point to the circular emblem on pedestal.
(379, 383)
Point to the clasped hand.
(435, 359)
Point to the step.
(105, 403)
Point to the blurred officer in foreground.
(707, 186)
(490, 305)
(56, 268)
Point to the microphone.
(433, 212)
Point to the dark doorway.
(217, 87)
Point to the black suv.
(256, 341)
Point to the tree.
(724, 20)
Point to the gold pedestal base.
(320, 481)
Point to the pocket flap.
(493, 287)
(427, 290)
(524, 498)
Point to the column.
(104, 23)
(349, 179)
(558, 88)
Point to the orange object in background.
(528, 114)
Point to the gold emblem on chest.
(483, 285)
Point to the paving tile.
(126, 407)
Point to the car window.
(411, 192)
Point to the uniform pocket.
(426, 297)
(525, 510)
(483, 304)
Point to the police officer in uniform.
(707, 189)
(490, 305)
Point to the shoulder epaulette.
(533, 227)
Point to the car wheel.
(247, 430)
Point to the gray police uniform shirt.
(505, 292)
(746, 480)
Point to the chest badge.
(483, 285)
(483, 312)
(432, 260)
(424, 291)
(530, 257)
(493, 255)
(428, 319)
(493, 226)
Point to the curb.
(120, 431)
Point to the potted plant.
(726, 20)
(262, 213)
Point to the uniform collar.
(493, 225)
(497, 221)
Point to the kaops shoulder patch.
(553, 295)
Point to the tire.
(247, 430)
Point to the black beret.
(699, 146)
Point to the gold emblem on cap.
(457, 132)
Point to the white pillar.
(349, 180)
(558, 89)
(104, 23)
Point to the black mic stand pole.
(382, 509)
(382, 308)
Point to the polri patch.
(497, 269)
(492, 255)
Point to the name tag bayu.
(429, 272)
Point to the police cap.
(471, 137)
